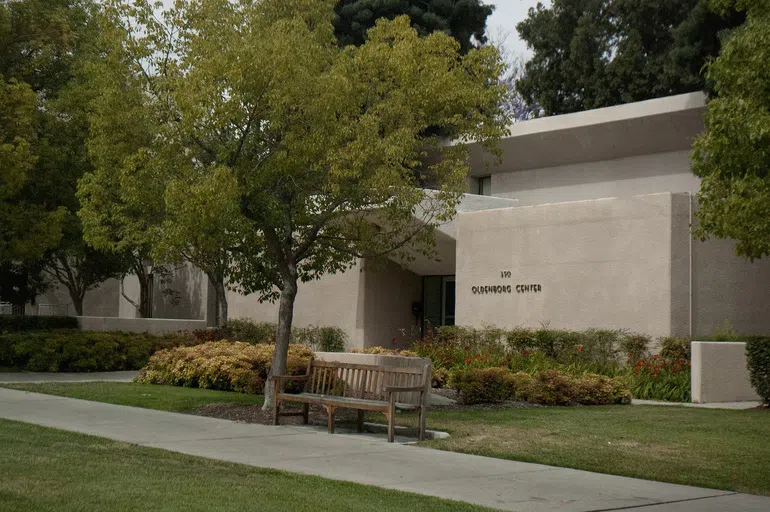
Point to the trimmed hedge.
(758, 363)
(322, 339)
(222, 365)
(71, 350)
(14, 323)
(550, 387)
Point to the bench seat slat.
(351, 403)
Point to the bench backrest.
(367, 376)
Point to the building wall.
(623, 177)
(372, 307)
(602, 263)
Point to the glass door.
(438, 302)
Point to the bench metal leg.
(306, 413)
(276, 412)
(360, 420)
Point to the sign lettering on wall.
(506, 288)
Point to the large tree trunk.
(77, 302)
(282, 336)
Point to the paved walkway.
(496, 483)
(25, 377)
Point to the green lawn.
(721, 449)
(149, 396)
(43, 469)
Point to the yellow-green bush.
(223, 365)
(549, 387)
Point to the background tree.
(733, 155)
(597, 53)
(320, 148)
(44, 46)
(465, 20)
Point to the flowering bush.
(223, 365)
(660, 378)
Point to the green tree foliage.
(733, 155)
(465, 20)
(297, 155)
(43, 124)
(597, 53)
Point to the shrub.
(552, 387)
(70, 350)
(13, 323)
(675, 348)
(659, 378)
(522, 386)
(635, 346)
(439, 378)
(325, 339)
(758, 362)
(482, 385)
(223, 365)
(594, 389)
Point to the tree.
(465, 20)
(317, 151)
(732, 156)
(597, 53)
(44, 47)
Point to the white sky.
(504, 19)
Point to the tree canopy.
(44, 46)
(465, 20)
(597, 53)
(733, 155)
(298, 155)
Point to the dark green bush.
(13, 323)
(69, 350)
(322, 339)
(758, 362)
(482, 385)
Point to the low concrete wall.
(151, 325)
(719, 374)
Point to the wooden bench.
(386, 387)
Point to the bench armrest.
(396, 389)
(280, 378)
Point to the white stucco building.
(584, 223)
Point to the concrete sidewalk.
(38, 377)
(495, 483)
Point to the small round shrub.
(482, 385)
(439, 378)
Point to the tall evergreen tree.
(598, 53)
(465, 20)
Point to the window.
(485, 186)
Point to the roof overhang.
(652, 126)
(446, 236)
